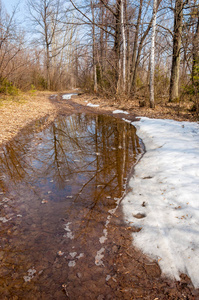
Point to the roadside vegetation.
(140, 54)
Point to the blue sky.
(10, 4)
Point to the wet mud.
(63, 234)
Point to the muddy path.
(78, 105)
(63, 232)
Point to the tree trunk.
(135, 46)
(48, 67)
(124, 47)
(117, 45)
(137, 54)
(152, 57)
(195, 50)
(94, 50)
(175, 69)
(134, 75)
(128, 63)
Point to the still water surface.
(60, 186)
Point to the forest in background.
(116, 48)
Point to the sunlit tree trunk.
(140, 47)
(94, 50)
(117, 45)
(137, 54)
(152, 57)
(135, 46)
(124, 47)
(128, 49)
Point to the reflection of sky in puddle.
(65, 182)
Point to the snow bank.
(165, 188)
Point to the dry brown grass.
(177, 111)
(18, 111)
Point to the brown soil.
(134, 276)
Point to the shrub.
(7, 87)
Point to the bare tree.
(195, 50)
(94, 48)
(135, 47)
(11, 44)
(177, 36)
(124, 47)
(152, 56)
(49, 20)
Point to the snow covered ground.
(165, 189)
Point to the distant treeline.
(112, 47)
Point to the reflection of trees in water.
(13, 156)
(94, 152)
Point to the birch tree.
(124, 47)
(94, 47)
(135, 47)
(152, 56)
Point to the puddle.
(60, 187)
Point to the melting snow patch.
(165, 188)
(92, 105)
(4, 220)
(73, 254)
(72, 263)
(128, 121)
(68, 96)
(69, 232)
(119, 111)
(69, 235)
(80, 255)
(99, 256)
(108, 277)
(31, 273)
(103, 238)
